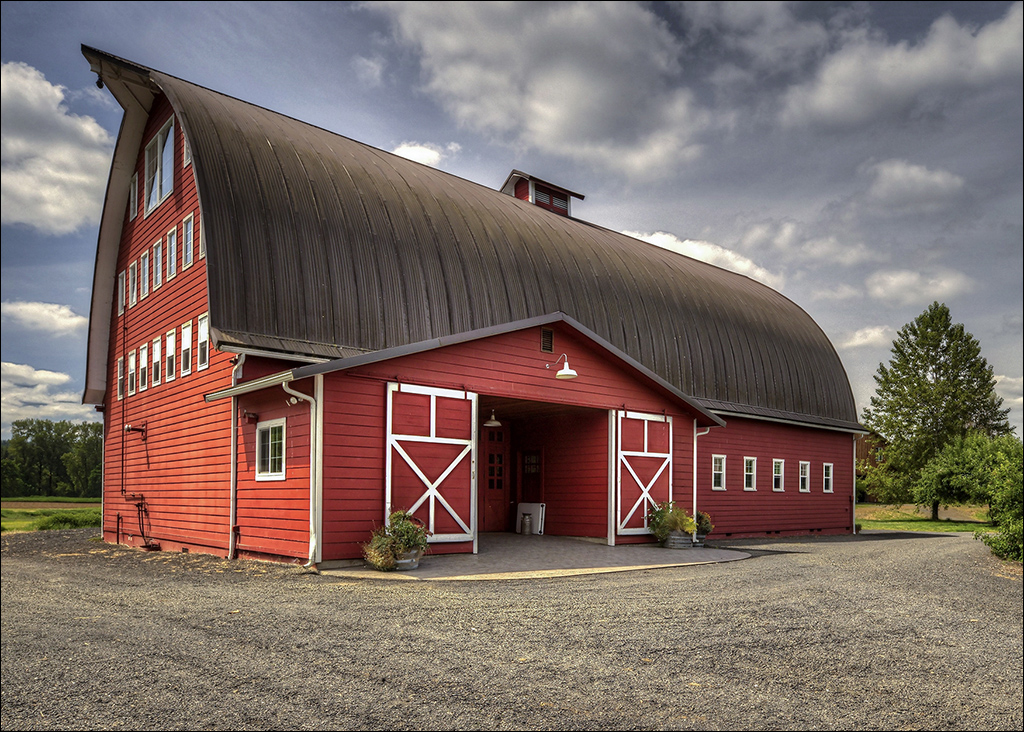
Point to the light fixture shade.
(493, 421)
(565, 372)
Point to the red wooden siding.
(272, 516)
(181, 469)
(736, 512)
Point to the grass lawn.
(916, 518)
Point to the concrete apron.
(517, 556)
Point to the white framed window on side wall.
(718, 472)
(270, 450)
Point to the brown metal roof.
(334, 247)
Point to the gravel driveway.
(889, 631)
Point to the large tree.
(936, 389)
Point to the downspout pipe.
(236, 373)
(696, 433)
(314, 433)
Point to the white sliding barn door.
(643, 468)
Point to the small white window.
(718, 472)
(160, 166)
(270, 450)
(805, 476)
(120, 378)
(143, 367)
(172, 252)
(187, 241)
(133, 198)
(186, 151)
(826, 474)
(778, 475)
(185, 367)
(169, 356)
(200, 242)
(120, 293)
(144, 276)
(158, 264)
(155, 376)
(749, 474)
(203, 342)
(133, 283)
(131, 373)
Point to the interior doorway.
(495, 485)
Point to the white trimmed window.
(143, 367)
(186, 151)
(133, 283)
(156, 361)
(270, 450)
(144, 276)
(120, 378)
(203, 342)
(131, 373)
(158, 264)
(172, 252)
(169, 356)
(120, 293)
(826, 477)
(805, 476)
(160, 166)
(187, 241)
(778, 475)
(185, 367)
(133, 198)
(749, 474)
(200, 243)
(718, 472)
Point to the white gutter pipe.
(315, 440)
(696, 433)
(236, 372)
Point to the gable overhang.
(135, 91)
(704, 417)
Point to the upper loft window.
(160, 166)
(540, 193)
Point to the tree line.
(47, 458)
(940, 433)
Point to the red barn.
(293, 333)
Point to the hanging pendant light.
(493, 421)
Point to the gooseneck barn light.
(566, 372)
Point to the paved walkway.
(515, 556)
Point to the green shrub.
(402, 534)
(666, 518)
(70, 520)
(1008, 542)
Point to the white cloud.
(1011, 390)
(427, 153)
(867, 79)
(788, 238)
(904, 187)
(712, 254)
(28, 393)
(841, 292)
(44, 317)
(593, 82)
(55, 163)
(370, 71)
(877, 335)
(907, 287)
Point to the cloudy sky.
(865, 159)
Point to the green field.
(16, 516)
(915, 518)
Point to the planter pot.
(700, 540)
(409, 560)
(678, 540)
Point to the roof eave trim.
(856, 430)
(344, 364)
(281, 377)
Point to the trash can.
(527, 523)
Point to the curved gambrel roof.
(320, 245)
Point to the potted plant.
(704, 526)
(398, 544)
(671, 525)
